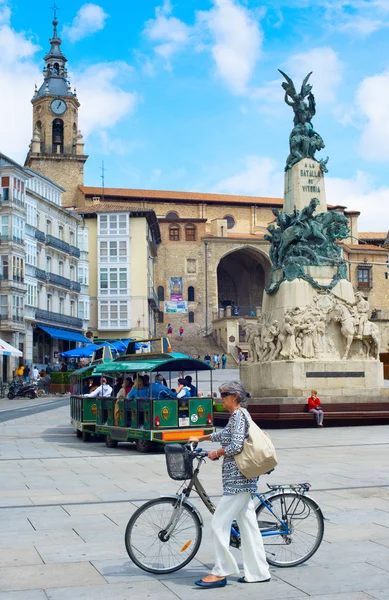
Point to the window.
(48, 264)
(113, 224)
(32, 294)
(191, 294)
(71, 237)
(364, 276)
(161, 293)
(5, 189)
(72, 273)
(60, 268)
(174, 233)
(57, 137)
(3, 307)
(60, 232)
(48, 302)
(191, 317)
(31, 252)
(190, 233)
(48, 227)
(17, 308)
(61, 306)
(172, 216)
(72, 308)
(4, 222)
(18, 268)
(83, 309)
(83, 274)
(113, 281)
(113, 251)
(113, 314)
(230, 221)
(31, 216)
(83, 239)
(4, 266)
(160, 316)
(18, 229)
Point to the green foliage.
(217, 407)
(57, 377)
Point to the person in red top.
(315, 408)
(181, 332)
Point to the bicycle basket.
(179, 462)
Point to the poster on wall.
(175, 289)
(176, 307)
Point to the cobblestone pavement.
(64, 506)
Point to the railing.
(18, 279)
(57, 243)
(237, 311)
(17, 318)
(40, 274)
(59, 280)
(75, 286)
(46, 315)
(74, 251)
(17, 240)
(40, 236)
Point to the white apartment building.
(44, 302)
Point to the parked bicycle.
(164, 535)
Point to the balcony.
(51, 317)
(59, 280)
(18, 240)
(40, 274)
(57, 243)
(153, 298)
(29, 312)
(73, 251)
(40, 236)
(75, 286)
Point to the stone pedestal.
(335, 380)
(303, 182)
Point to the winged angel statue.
(303, 140)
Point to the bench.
(281, 415)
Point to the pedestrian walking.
(224, 361)
(169, 329)
(27, 371)
(241, 357)
(181, 332)
(214, 360)
(314, 407)
(217, 361)
(207, 359)
(35, 374)
(236, 502)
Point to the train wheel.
(78, 433)
(86, 436)
(144, 445)
(110, 443)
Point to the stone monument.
(314, 330)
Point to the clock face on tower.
(58, 106)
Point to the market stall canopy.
(8, 350)
(176, 362)
(84, 352)
(64, 334)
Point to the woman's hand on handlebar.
(213, 455)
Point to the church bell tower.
(57, 147)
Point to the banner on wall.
(175, 289)
(176, 307)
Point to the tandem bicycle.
(164, 535)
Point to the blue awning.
(63, 334)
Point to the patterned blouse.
(231, 439)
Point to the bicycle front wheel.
(292, 531)
(163, 535)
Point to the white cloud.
(88, 20)
(372, 100)
(259, 177)
(18, 73)
(167, 33)
(103, 102)
(236, 42)
(327, 71)
(362, 25)
(360, 193)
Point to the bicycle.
(164, 535)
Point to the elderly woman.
(236, 502)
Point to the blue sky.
(186, 95)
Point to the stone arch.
(242, 274)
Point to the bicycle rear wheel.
(148, 544)
(304, 535)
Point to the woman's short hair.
(235, 388)
(138, 383)
(314, 392)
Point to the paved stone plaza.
(65, 504)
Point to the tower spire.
(55, 20)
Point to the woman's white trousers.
(240, 507)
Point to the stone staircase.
(193, 345)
